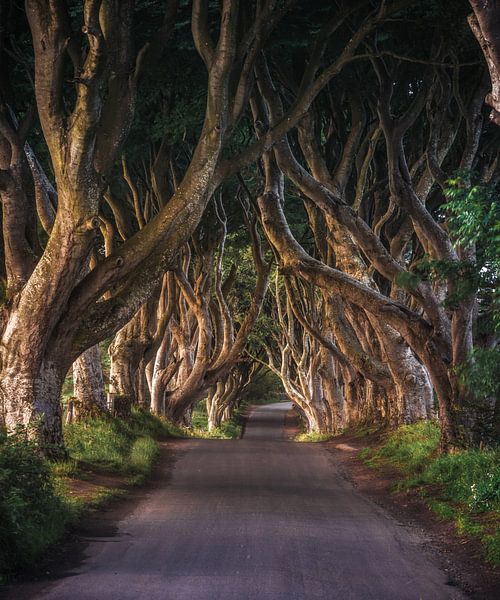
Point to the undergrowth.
(33, 514)
(126, 446)
(464, 486)
(36, 503)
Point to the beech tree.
(55, 310)
(366, 127)
(485, 24)
(420, 335)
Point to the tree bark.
(88, 386)
(485, 25)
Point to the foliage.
(265, 388)
(474, 217)
(32, 514)
(463, 486)
(407, 280)
(481, 373)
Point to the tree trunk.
(126, 352)
(88, 384)
(31, 399)
(214, 411)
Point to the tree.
(55, 310)
(420, 336)
(485, 25)
(364, 134)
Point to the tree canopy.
(214, 188)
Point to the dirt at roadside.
(94, 484)
(462, 558)
(292, 425)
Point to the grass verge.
(463, 487)
(39, 499)
(121, 446)
(314, 436)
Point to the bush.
(32, 514)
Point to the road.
(259, 518)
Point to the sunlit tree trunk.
(88, 386)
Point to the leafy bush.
(32, 514)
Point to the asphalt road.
(254, 519)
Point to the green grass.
(125, 446)
(229, 430)
(492, 547)
(464, 486)
(314, 436)
(410, 446)
(36, 504)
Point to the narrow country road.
(254, 519)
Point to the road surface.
(254, 519)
